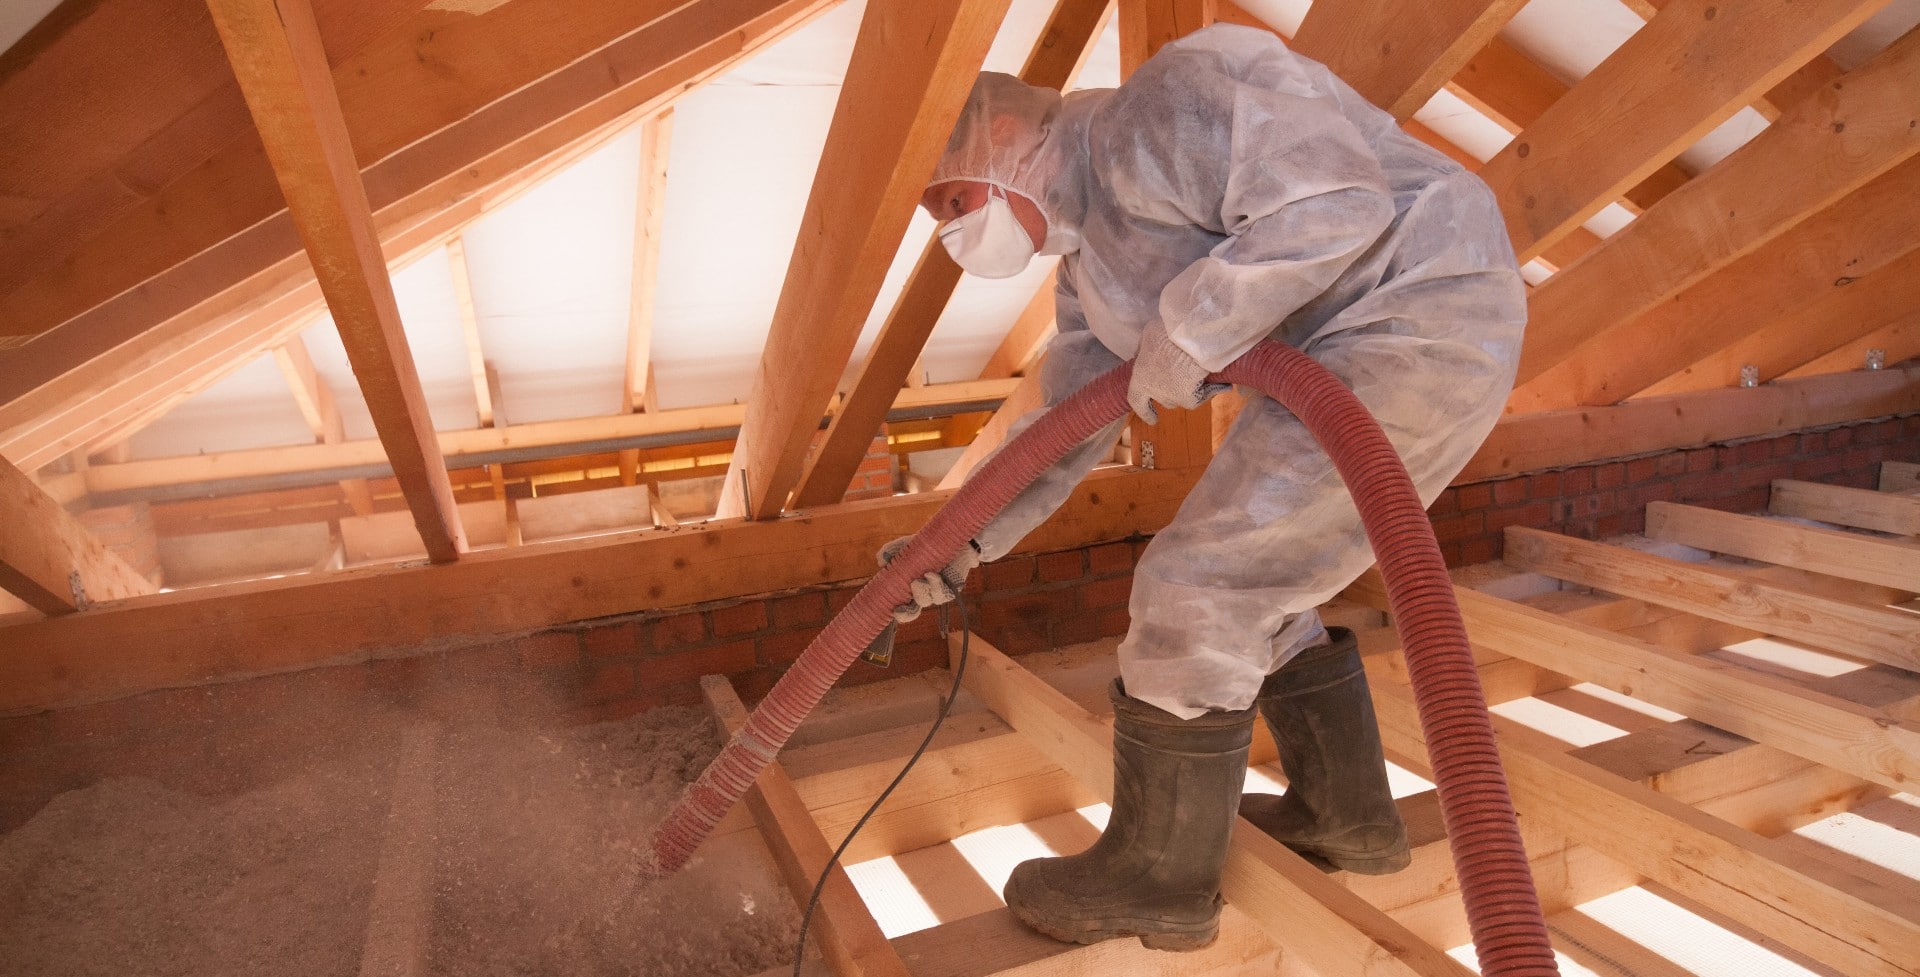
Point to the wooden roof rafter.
(1055, 62)
(1816, 154)
(896, 109)
(278, 58)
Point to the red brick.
(1483, 549)
(676, 631)
(784, 647)
(608, 681)
(612, 640)
(1510, 491)
(1057, 567)
(1112, 592)
(1008, 574)
(799, 610)
(1477, 496)
(1110, 558)
(1459, 527)
(548, 649)
(1545, 485)
(687, 666)
(740, 619)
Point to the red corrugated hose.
(1503, 910)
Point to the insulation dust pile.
(526, 865)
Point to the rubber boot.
(1337, 805)
(1155, 872)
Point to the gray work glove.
(935, 588)
(1164, 372)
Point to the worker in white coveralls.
(1229, 192)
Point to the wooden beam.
(1283, 894)
(1557, 439)
(1862, 741)
(1854, 924)
(1887, 562)
(470, 329)
(184, 638)
(619, 64)
(276, 53)
(1829, 334)
(1673, 81)
(843, 929)
(1862, 630)
(1398, 54)
(48, 559)
(1812, 157)
(656, 138)
(897, 107)
(1882, 511)
(463, 445)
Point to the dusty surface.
(533, 837)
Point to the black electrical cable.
(813, 902)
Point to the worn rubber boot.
(1337, 805)
(1155, 872)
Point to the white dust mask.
(989, 242)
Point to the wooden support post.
(48, 559)
(1865, 742)
(1877, 634)
(1887, 562)
(1330, 928)
(897, 108)
(1881, 511)
(843, 929)
(276, 53)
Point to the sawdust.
(535, 838)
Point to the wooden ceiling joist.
(573, 95)
(1854, 244)
(276, 52)
(1057, 56)
(896, 109)
(1813, 156)
(48, 559)
(1684, 73)
(1397, 54)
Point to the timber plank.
(1887, 562)
(1863, 741)
(1879, 634)
(842, 928)
(1884, 512)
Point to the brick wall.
(1610, 498)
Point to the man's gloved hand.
(933, 589)
(1164, 372)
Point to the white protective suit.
(1238, 191)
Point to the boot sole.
(1178, 939)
